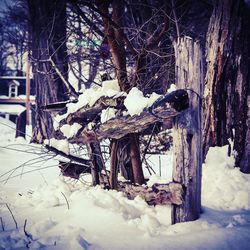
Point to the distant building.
(6, 81)
(13, 97)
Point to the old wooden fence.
(181, 108)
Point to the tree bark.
(187, 136)
(113, 166)
(48, 34)
(115, 39)
(136, 159)
(227, 84)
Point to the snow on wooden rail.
(164, 108)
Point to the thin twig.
(2, 224)
(175, 18)
(65, 199)
(12, 215)
(68, 86)
(25, 232)
(146, 149)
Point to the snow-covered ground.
(68, 215)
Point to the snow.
(4, 97)
(31, 97)
(61, 145)
(102, 219)
(12, 109)
(56, 120)
(135, 102)
(70, 130)
(171, 88)
(107, 114)
(111, 85)
(90, 96)
(153, 97)
(226, 190)
(7, 129)
(14, 82)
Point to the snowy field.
(52, 212)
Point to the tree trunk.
(227, 83)
(187, 130)
(136, 159)
(48, 34)
(113, 166)
(115, 39)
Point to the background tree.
(48, 57)
(227, 86)
(14, 38)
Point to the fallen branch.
(12, 215)
(29, 236)
(71, 158)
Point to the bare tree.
(14, 35)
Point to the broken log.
(163, 109)
(164, 194)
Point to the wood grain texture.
(227, 88)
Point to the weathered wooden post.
(187, 137)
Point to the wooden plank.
(187, 135)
